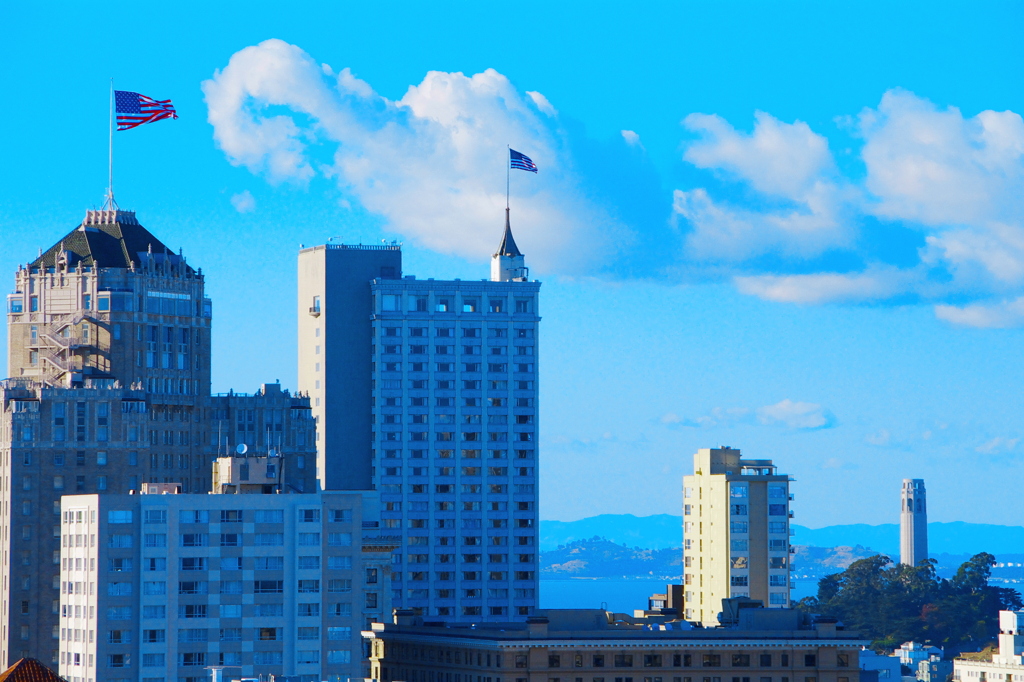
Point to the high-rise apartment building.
(735, 533)
(913, 522)
(109, 359)
(427, 390)
(163, 586)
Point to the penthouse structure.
(427, 390)
(164, 585)
(1008, 664)
(736, 532)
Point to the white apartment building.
(427, 390)
(735, 533)
(1008, 664)
(158, 587)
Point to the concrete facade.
(428, 391)
(159, 586)
(1008, 664)
(736, 532)
(596, 646)
(913, 522)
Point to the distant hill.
(662, 531)
(600, 558)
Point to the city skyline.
(651, 350)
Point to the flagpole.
(110, 157)
(508, 173)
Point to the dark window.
(810, 660)
(712, 660)
(554, 661)
(652, 660)
(741, 660)
(623, 660)
(598, 660)
(766, 660)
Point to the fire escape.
(59, 345)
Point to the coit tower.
(913, 522)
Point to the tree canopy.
(894, 603)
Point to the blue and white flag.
(521, 161)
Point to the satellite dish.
(242, 448)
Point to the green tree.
(893, 603)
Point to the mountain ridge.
(664, 531)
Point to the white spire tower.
(508, 263)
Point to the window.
(810, 660)
(741, 660)
(194, 539)
(554, 661)
(151, 588)
(623, 660)
(154, 636)
(652, 660)
(339, 634)
(268, 586)
(313, 609)
(192, 611)
(155, 516)
(309, 562)
(269, 516)
(712, 660)
(842, 660)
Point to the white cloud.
(999, 315)
(432, 162)
(825, 287)
(997, 445)
(937, 167)
(786, 413)
(958, 180)
(784, 161)
(243, 202)
(796, 415)
(631, 138)
(542, 103)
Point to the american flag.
(521, 161)
(134, 109)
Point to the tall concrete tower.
(427, 391)
(735, 533)
(913, 522)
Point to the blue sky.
(794, 228)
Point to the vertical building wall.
(161, 586)
(334, 343)
(913, 522)
(735, 533)
(455, 443)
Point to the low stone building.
(592, 645)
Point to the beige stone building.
(735, 533)
(109, 388)
(590, 645)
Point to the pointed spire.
(508, 244)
